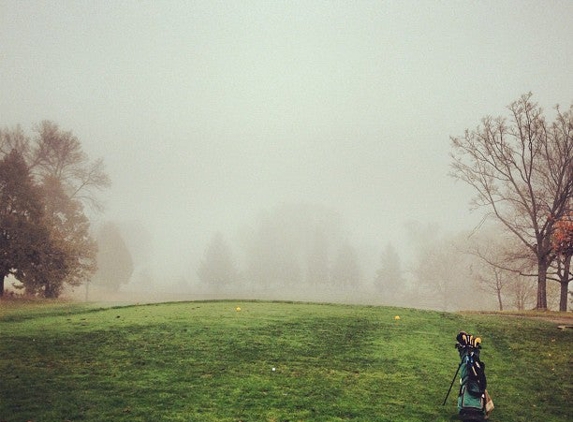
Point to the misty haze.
(284, 150)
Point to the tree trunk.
(498, 287)
(499, 299)
(49, 291)
(541, 286)
(565, 284)
(2, 276)
(564, 297)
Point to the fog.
(211, 115)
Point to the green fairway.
(209, 361)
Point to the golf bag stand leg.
(452, 383)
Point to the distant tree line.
(521, 168)
(46, 181)
(446, 271)
(291, 246)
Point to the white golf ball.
(274, 369)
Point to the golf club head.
(461, 337)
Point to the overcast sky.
(208, 112)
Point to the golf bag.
(474, 404)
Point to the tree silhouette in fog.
(389, 277)
(114, 260)
(346, 270)
(217, 268)
(291, 245)
(318, 266)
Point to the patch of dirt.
(563, 321)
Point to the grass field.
(208, 361)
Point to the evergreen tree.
(114, 260)
(22, 233)
(217, 268)
(45, 240)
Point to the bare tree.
(502, 261)
(491, 278)
(53, 152)
(522, 170)
(522, 293)
(441, 269)
(59, 154)
(14, 139)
